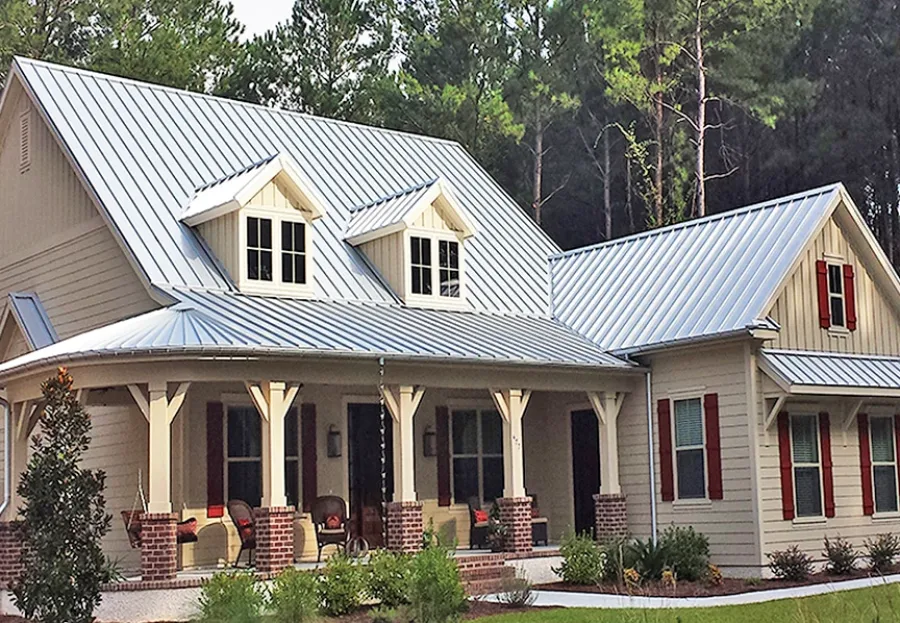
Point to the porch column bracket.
(607, 406)
(26, 419)
(273, 399)
(853, 408)
(511, 403)
(402, 402)
(774, 411)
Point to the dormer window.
(448, 260)
(420, 260)
(293, 252)
(259, 249)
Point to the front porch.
(202, 433)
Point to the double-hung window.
(477, 444)
(884, 464)
(293, 252)
(448, 262)
(420, 260)
(836, 303)
(807, 465)
(689, 449)
(259, 249)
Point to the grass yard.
(869, 605)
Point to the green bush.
(650, 559)
(294, 597)
(341, 586)
(687, 552)
(617, 556)
(389, 578)
(583, 562)
(882, 551)
(517, 592)
(790, 564)
(436, 593)
(840, 555)
(231, 598)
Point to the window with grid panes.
(477, 455)
(689, 449)
(807, 465)
(884, 464)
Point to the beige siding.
(221, 235)
(729, 523)
(387, 254)
(433, 217)
(796, 309)
(275, 195)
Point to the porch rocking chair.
(329, 515)
(242, 516)
(478, 525)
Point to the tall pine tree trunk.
(607, 199)
(537, 199)
(629, 209)
(700, 205)
(658, 137)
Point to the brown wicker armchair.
(329, 515)
(242, 516)
(478, 530)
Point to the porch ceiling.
(835, 374)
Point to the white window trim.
(837, 263)
(480, 455)
(892, 464)
(434, 300)
(276, 286)
(794, 465)
(678, 499)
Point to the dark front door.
(364, 429)
(585, 468)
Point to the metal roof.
(387, 211)
(809, 372)
(703, 278)
(145, 149)
(215, 322)
(29, 312)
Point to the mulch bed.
(729, 586)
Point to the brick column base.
(404, 526)
(610, 517)
(11, 564)
(159, 549)
(274, 538)
(515, 514)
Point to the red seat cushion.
(186, 529)
(481, 516)
(245, 528)
(333, 522)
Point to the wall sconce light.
(429, 442)
(334, 442)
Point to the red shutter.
(787, 468)
(827, 469)
(215, 460)
(666, 475)
(713, 446)
(822, 281)
(850, 297)
(442, 421)
(865, 464)
(309, 455)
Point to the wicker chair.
(335, 532)
(478, 530)
(242, 516)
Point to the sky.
(259, 16)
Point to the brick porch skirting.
(515, 514)
(159, 549)
(274, 538)
(11, 564)
(611, 517)
(404, 526)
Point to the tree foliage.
(63, 516)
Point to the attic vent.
(25, 141)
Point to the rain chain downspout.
(7, 462)
(653, 527)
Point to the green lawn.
(869, 605)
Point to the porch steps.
(483, 574)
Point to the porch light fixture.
(429, 442)
(334, 442)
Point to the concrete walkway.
(607, 601)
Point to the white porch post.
(273, 399)
(402, 402)
(511, 404)
(607, 406)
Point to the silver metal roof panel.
(32, 318)
(814, 369)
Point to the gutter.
(661, 346)
(653, 522)
(7, 460)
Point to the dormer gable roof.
(400, 210)
(26, 309)
(234, 191)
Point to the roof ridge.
(762, 205)
(395, 195)
(184, 92)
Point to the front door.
(364, 429)
(585, 468)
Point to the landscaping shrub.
(650, 559)
(389, 578)
(583, 561)
(882, 551)
(840, 555)
(517, 592)
(687, 552)
(341, 586)
(63, 515)
(231, 598)
(790, 564)
(436, 593)
(294, 597)
(617, 556)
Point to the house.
(251, 301)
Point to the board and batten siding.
(222, 238)
(729, 523)
(387, 254)
(796, 309)
(433, 217)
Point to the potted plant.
(497, 531)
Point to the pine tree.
(64, 517)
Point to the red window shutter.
(309, 475)
(713, 446)
(787, 467)
(827, 466)
(865, 464)
(850, 297)
(442, 432)
(215, 460)
(666, 475)
(822, 281)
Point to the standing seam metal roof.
(833, 369)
